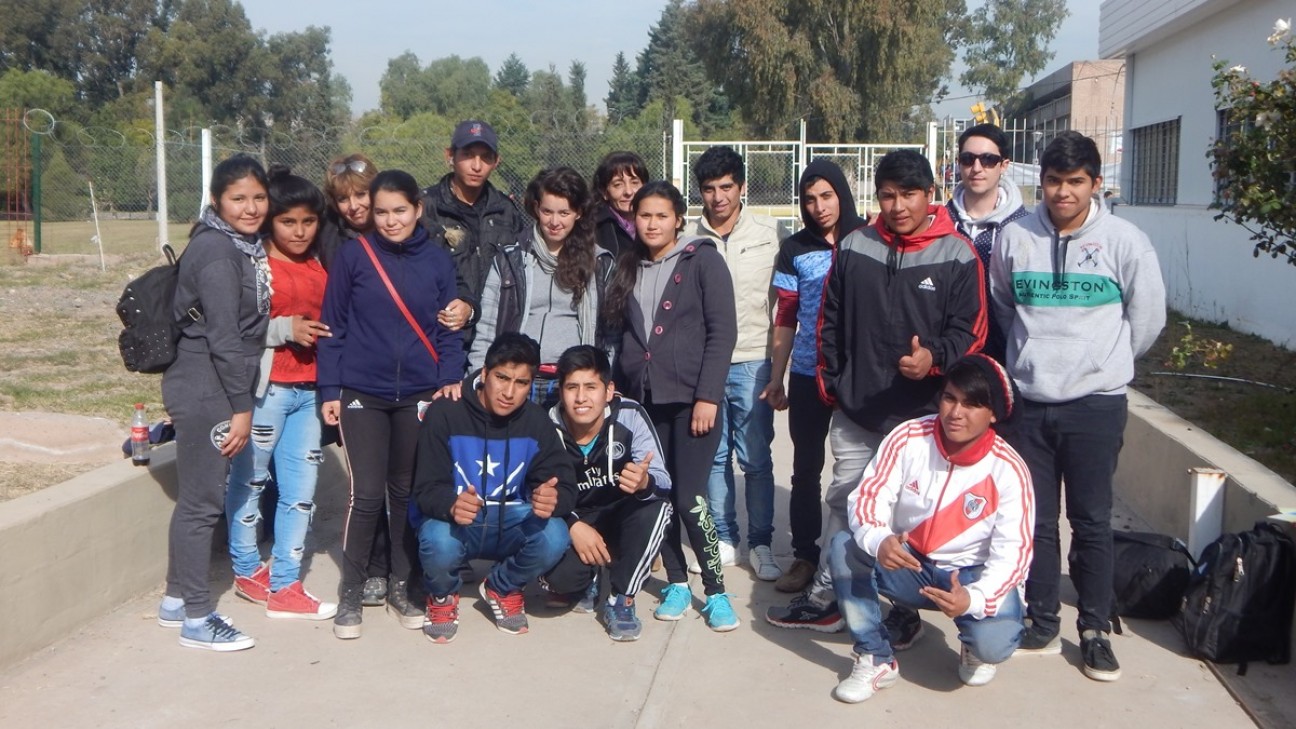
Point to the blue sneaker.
(216, 633)
(622, 623)
(589, 601)
(171, 618)
(675, 601)
(719, 613)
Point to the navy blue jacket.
(373, 348)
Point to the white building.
(1171, 121)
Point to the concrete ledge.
(1152, 478)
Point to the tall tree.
(108, 38)
(854, 69)
(301, 88)
(513, 76)
(450, 86)
(623, 91)
(1008, 40)
(576, 87)
(670, 68)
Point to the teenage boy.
(476, 218)
(622, 503)
(941, 521)
(904, 300)
(490, 474)
(828, 211)
(984, 201)
(749, 242)
(1079, 294)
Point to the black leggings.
(379, 437)
(808, 419)
(688, 459)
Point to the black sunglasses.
(355, 165)
(967, 159)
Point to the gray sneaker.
(216, 633)
(350, 616)
(509, 609)
(589, 601)
(622, 624)
(375, 592)
(442, 622)
(401, 607)
(171, 618)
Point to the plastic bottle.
(139, 437)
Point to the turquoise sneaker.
(675, 602)
(719, 613)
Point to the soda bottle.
(139, 437)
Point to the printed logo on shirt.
(219, 433)
(927, 285)
(1085, 290)
(355, 405)
(1089, 255)
(618, 450)
(973, 505)
(911, 487)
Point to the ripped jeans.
(285, 427)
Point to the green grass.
(120, 237)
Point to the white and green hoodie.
(1079, 308)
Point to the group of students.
(566, 392)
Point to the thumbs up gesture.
(634, 477)
(544, 498)
(466, 506)
(918, 363)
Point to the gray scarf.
(252, 248)
(587, 309)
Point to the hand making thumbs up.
(544, 498)
(466, 506)
(918, 363)
(634, 477)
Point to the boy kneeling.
(942, 520)
(621, 510)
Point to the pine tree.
(623, 91)
(513, 76)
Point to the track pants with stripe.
(633, 531)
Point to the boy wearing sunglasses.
(984, 201)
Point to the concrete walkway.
(123, 670)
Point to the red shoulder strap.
(400, 304)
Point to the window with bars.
(1155, 164)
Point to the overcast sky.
(367, 33)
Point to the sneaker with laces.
(350, 615)
(619, 616)
(972, 670)
(442, 621)
(807, 613)
(293, 602)
(170, 618)
(375, 592)
(797, 577)
(1099, 660)
(509, 609)
(866, 678)
(255, 588)
(676, 599)
(1036, 641)
(215, 633)
(719, 612)
(762, 562)
(589, 600)
(401, 607)
(904, 626)
(728, 558)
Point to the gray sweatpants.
(197, 403)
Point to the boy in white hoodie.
(1079, 295)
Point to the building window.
(1155, 164)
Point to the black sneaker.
(904, 626)
(1099, 661)
(375, 592)
(401, 607)
(806, 613)
(1037, 641)
(346, 624)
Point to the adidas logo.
(355, 405)
(927, 285)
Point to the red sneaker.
(255, 588)
(293, 602)
(509, 609)
(442, 621)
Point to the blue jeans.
(746, 425)
(857, 580)
(524, 547)
(286, 427)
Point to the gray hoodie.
(1078, 309)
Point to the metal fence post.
(36, 192)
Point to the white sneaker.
(728, 558)
(972, 671)
(866, 679)
(763, 564)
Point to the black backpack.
(148, 339)
(1238, 606)
(1150, 574)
